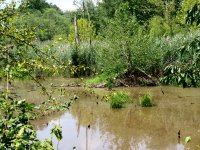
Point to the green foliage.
(16, 131)
(39, 5)
(57, 131)
(185, 69)
(106, 78)
(118, 99)
(46, 24)
(19, 57)
(193, 15)
(97, 79)
(185, 75)
(14, 44)
(156, 26)
(83, 59)
(147, 38)
(20, 54)
(109, 83)
(85, 29)
(142, 35)
(61, 24)
(125, 56)
(188, 8)
(117, 52)
(130, 47)
(146, 101)
(165, 22)
(143, 10)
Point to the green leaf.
(56, 130)
(20, 133)
(179, 79)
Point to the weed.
(118, 99)
(146, 101)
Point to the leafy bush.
(185, 69)
(84, 59)
(16, 131)
(118, 99)
(146, 101)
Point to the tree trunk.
(77, 38)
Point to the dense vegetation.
(129, 42)
(145, 42)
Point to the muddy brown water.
(91, 126)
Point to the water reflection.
(89, 125)
(132, 127)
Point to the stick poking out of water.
(179, 136)
(162, 90)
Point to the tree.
(143, 10)
(47, 24)
(36, 4)
(165, 23)
(61, 23)
(86, 31)
(119, 35)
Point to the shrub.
(84, 58)
(146, 101)
(16, 131)
(117, 99)
(184, 70)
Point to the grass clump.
(146, 100)
(118, 99)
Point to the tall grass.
(105, 60)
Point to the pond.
(90, 124)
